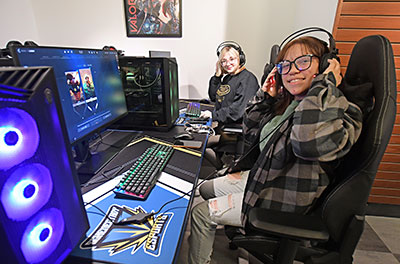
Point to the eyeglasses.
(229, 60)
(301, 63)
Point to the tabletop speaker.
(42, 217)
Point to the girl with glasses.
(230, 88)
(297, 120)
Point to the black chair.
(231, 142)
(229, 148)
(331, 232)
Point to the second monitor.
(151, 92)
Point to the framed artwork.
(153, 18)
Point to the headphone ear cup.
(242, 59)
(232, 44)
(323, 64)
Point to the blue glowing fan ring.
(13, 196)
(24, 127)
(32, 246)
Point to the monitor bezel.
(89, 135)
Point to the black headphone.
(271, 64)
(119, 52)
(30, 43)
(5, 52)
(233, 44)
(323, 62)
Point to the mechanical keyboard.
(193, 109)
(139, 180)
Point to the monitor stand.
(93, 160)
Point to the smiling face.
(298, 82)
(230, 60)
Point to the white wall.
(260, 24)
(255, 24)
(17, 21)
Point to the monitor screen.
(88, 81)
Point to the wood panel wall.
(355, 20)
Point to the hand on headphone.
(334, 67)
(269, 83)
(218, 69)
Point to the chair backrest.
(372, 62)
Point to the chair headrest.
(370, 82)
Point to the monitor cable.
(115, 170)
(142, 217)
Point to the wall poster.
(153, 18)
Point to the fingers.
(269, 83)
(334, 67)
(272, 73)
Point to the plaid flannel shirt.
(287, 174)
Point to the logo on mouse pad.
(118, 238)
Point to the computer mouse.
(204, 101)
(138, 218)
(184, 135)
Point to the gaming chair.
(330, 233)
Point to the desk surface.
(159, 239)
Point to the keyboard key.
(138, 181)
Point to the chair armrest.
(288, 225)
(232, 128)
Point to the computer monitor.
(151, 93)
(91, 93)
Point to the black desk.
(158, 240)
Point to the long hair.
(309, 44)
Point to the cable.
(98, 208)
(121, 167)
(147, 85)
(212, 131)
(112, 145)
(142, 217)
(187, 193)
(266, 136)
(93, 147)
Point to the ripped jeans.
(223, 205)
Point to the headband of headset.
(234, 45)
(333, 51)
(294, 35)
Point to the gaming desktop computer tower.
(151, 93)
(42, 216)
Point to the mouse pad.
(182, 164)
(154, 241)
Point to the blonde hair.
(232, 52)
